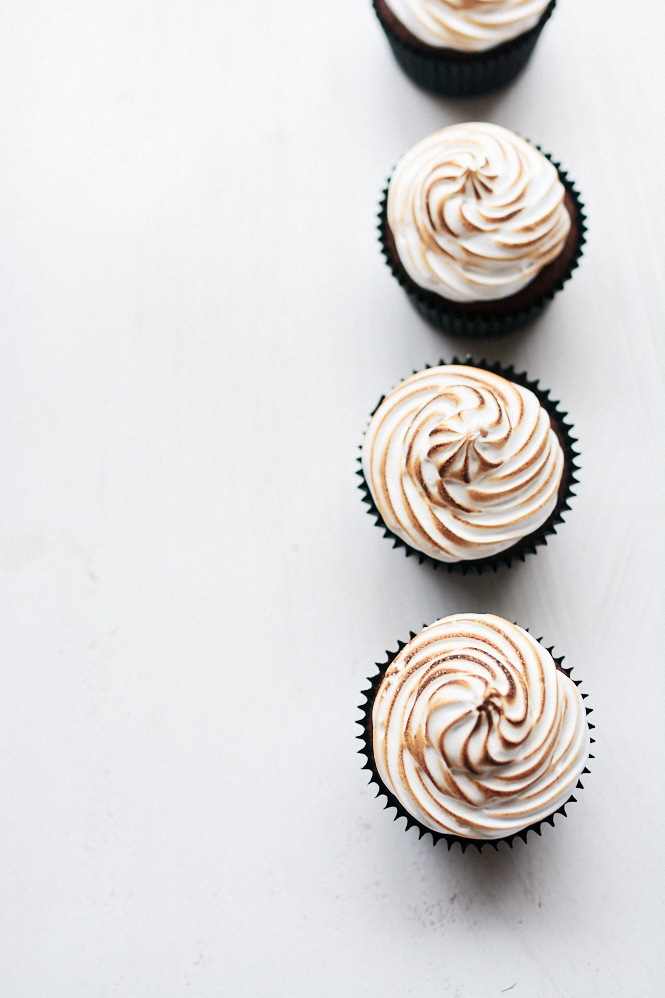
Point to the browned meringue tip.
(455, 74)
(526, 545)
(449, 317)
(366, 749)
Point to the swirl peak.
(462, 463)
(475, 731)
(476, 212)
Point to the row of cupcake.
(472, 730)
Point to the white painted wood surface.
(196, 323)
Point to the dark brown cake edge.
(502, 316)
(392, 25)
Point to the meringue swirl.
(475, 730)
(476, 212)
(462, 463)
(467, 25)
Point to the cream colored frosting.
(461, 463)
(467, 25)
(476, 731)
(476, 212)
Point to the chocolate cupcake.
(480, 228)
(462, 47)
(474, 732)
(468, 466)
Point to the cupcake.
(474, 732)
(462, 47)
(467, 466)
(480, 228)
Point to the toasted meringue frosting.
(475, 730)
(467, 25)
(476, 212)
(461, 463)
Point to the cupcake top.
(462, 463)
(475, 730)
(467, 25)
(476, 212)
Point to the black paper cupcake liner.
(465, 74)
(367, 750)
(443, 314)
(529, 543)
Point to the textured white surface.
(196, 322)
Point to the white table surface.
(196, 322)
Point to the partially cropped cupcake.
(474, 732)
(463, 47)
(467, 466)
(480, 228)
